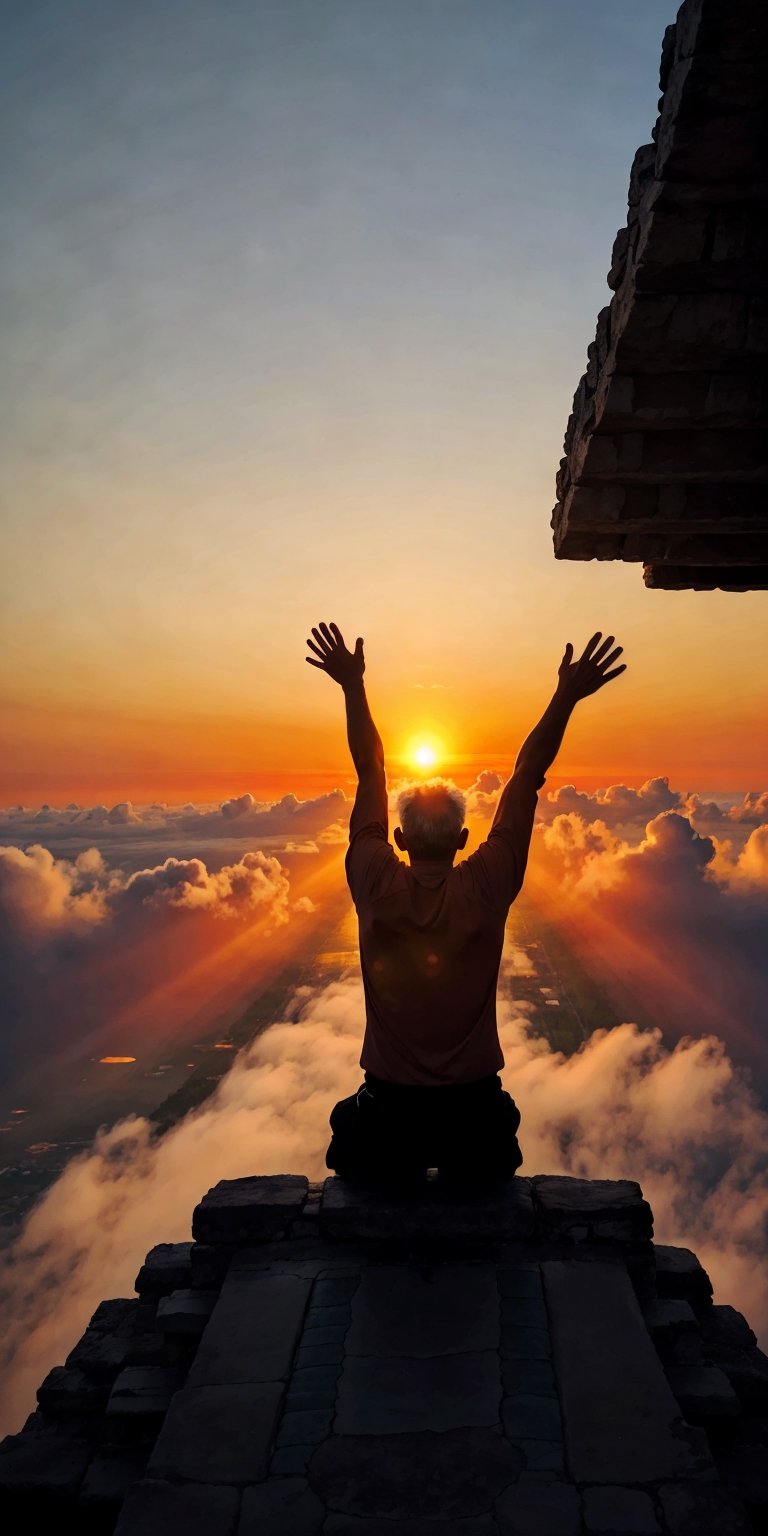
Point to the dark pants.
(391, 1134)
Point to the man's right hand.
(577, 679)
(345, 667)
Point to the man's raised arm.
(347, 668)
(576, 680)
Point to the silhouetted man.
(431, 937)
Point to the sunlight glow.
(113, 1061)
(424, 753)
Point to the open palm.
(334, 658)
(593, 669)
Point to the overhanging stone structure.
(666, 450)
(322, 1361)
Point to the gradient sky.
(296, 294)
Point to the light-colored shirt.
(431, 937)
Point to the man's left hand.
(343, 666)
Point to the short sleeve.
(497, 867)
(371, 863)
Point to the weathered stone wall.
(666, 450)
(321, 1360)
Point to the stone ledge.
(548, 1208)
(251, 1210)
(349, 1212)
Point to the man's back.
(431, 938)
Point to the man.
(431, 937)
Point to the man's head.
(431, 820)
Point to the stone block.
(304, 1426)
(744, 1469)
(523, 1312)
(747, 1371)
(111, 1473)
(703, 1392)
(611, 1511)
(185, 1312)
(378, 1396)
(143, 1392)
(251, 1210)
(405, 1310)
(724, 1325)
(539, 1509)
(674, 1328)
(520, 1283)
(218, 1435)
(451, 1476)
(48, 1462)
(334, 1290)
(317, 1378)
(679, 1276)
(534, 1376)
(166, 1268)
(348, 1213)
(210, 1264)
(607, 1209)
(527, 1416)
(253, 1330)
(291, 1460)
(299, 1402)
(526, 1344)
(315, 1334)
(602, 1348)
(320, 1316)
(310, 1355)
(542, 1455)
(158, 1508)
(102, 1350)
(284, 1506)
(703, 1509)
(352, 1525)
(67, 1391)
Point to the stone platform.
(321, 1361)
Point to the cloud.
(617, 805)
(683, 1122)
(673, 921)
(483, 793)
(82, 942)
(288, 816)
(337, 832)
(239, 816)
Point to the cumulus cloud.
(682, 1121)
(81, 941)
(241, 815)
(674, 921)
(483, 793)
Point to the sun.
(424, 753)
(425, 756)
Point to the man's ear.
(400, 840)
(463, 838)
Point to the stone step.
(143, 1392)
(165, 1269)
(622, 1422)
(185, 1312)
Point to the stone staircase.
(322, 1360)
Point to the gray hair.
(431, 815)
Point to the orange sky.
(326, 381)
